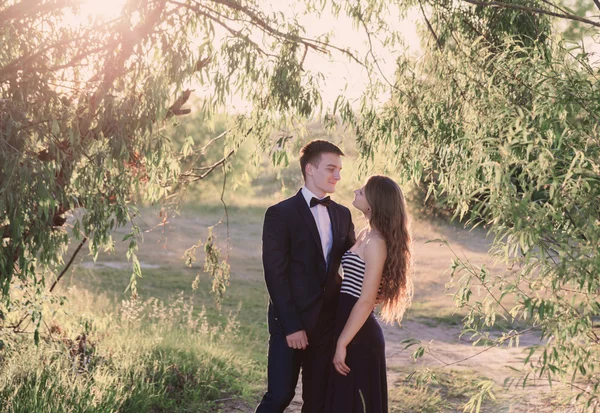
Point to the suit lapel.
(310, 220)
(334, 218)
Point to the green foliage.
(576, 30)
(219, 270)
(147, 356)
(90, 114)
(499, 121)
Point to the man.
(304, 238)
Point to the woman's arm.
(375, 253)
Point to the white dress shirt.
(323, 222)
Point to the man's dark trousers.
(285, 363)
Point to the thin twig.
(24, 317)
(236, 33)
(499, 342)
(557, 7)
(469, 267)
(259, 22)
(15, 149)
(433, 33)
(534, 10)
(210, 169)
(69, 263)
(214, 139)
(226, 212)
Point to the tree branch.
(534, 10)
(235, 33)
(11, 68)
(176, 108)
(220, 136)
(557, 7)
(262, 24)
(435, 36)
(32, 7)
(226, 212)
(69, 263)
(127, 39)
(211, 168)
(499, 342)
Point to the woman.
(376, 268)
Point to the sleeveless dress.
(364, 389)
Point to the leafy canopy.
(87, 111)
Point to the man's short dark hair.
(312, 151)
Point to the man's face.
(326, 174)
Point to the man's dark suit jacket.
(297, 277)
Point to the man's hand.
(297, 340)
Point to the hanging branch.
(261, 23)
(226, 212)
(534, 10)
(208, 169)
(69, 263)
(176, 108)
(430, 28)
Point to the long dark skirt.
(364, 389)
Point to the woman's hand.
(339, 360)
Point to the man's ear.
(309, 169)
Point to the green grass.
(131, 372)
(163, 352)
(432, 391)
(246, 298)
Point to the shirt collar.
(308, 195)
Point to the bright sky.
(103, 8)
(341, 75)
(339, 72)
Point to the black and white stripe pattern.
(354, 273)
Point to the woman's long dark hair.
(389, 217)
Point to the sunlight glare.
(104, 9)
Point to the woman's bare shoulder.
(375, 247)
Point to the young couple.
(318, 321)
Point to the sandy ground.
(432, 298)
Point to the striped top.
(354, 273)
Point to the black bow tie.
(315, 201)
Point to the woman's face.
(360, 200)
